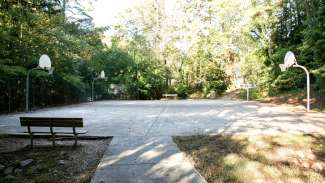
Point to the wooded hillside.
(192, 48)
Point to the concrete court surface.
(179, 117)
(142, 149)
(141, 118)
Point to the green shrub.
(182, 90)
(320, 78)
(171, 89)
(219, 86)
(291, 79)
(216, 79)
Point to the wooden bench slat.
(54, 122)
(170, 95)
(58, 132)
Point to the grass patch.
(249, 159)
(254, 94)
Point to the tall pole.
(92, 89)
(43, 63)
(101, 76)
(308, 85)
(27, 88)
(27, 91)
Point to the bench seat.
(166, 95)
(58, 132)
(51, 123)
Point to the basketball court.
(142, 149)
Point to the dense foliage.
(296, 25)
(29, 29)
(196, 48)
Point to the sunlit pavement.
(142, 149)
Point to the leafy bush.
(145, 77)
(218, 86)
(217, 80)
(171, 89)
(182, 90)
(320, 78)
(299, 28)
(291, 79)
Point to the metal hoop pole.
(101, 76)
(27, 88)
(92, 89)
(27, 91)
(308, 84)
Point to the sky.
(106, 11)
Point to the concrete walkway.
(145, 160)
(142, 149)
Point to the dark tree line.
(300, 27)
(30, 28)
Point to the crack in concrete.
(164, 109)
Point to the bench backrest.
(51, 122)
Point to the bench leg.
(31, 141)
(53, 140)
(31, 136)
(75, 139)
(75, 136)
(53, 136)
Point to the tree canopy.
(192, 48)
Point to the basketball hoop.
(44, 62)
(282, 67)
(102, 75)
(247, 86)
(290, 61)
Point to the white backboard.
(248, 85)
(102, 75)
(44, 62)
(289, 59)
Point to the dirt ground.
(62, 164)
(317, 102)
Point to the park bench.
(166, 95)
(52, 122)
